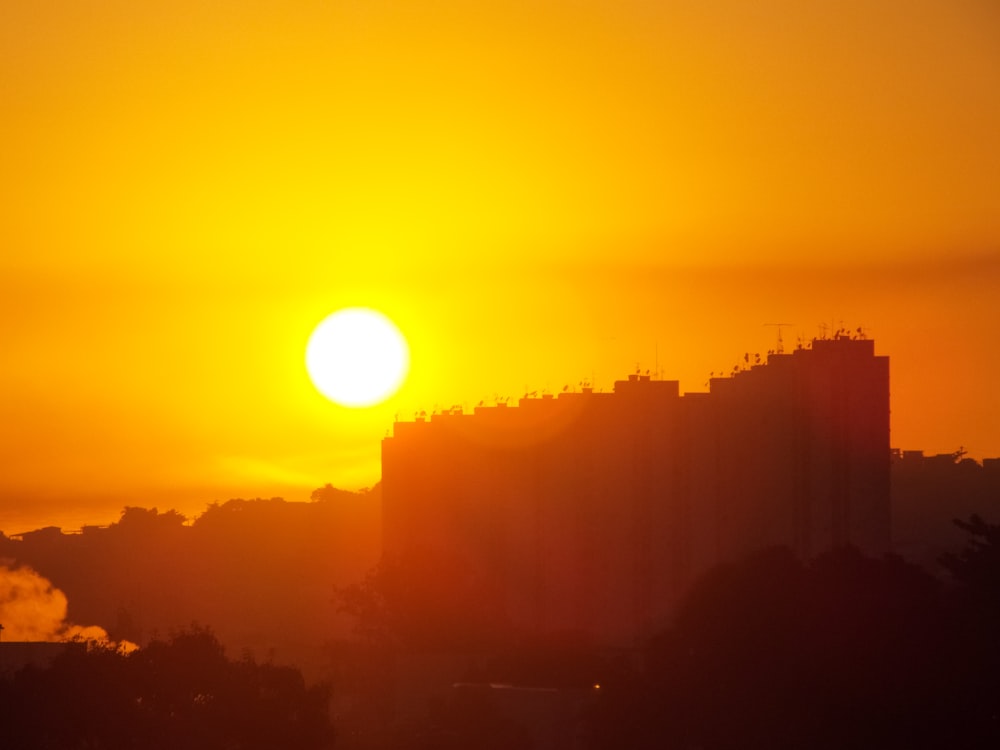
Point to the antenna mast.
(781, 344)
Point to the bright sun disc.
(357, 357)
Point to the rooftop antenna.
(780, 348)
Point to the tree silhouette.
(843, 651)
(179, 693)
(426, 600)
(976, 571)
(977, 566)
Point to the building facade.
(594, 512)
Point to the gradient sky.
(537, 192)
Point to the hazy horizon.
(536, 193)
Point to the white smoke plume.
(32, 609)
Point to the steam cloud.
(32, 609)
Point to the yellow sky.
(537, 192)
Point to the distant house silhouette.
(595, 511)
(929, 492)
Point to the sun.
(357, 357)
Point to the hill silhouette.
(260, 572)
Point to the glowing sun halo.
(357, 357)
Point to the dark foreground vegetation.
(844, 651)
(766, 652)
(178, 694)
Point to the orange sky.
(538, 192)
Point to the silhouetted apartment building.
(594, 511)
